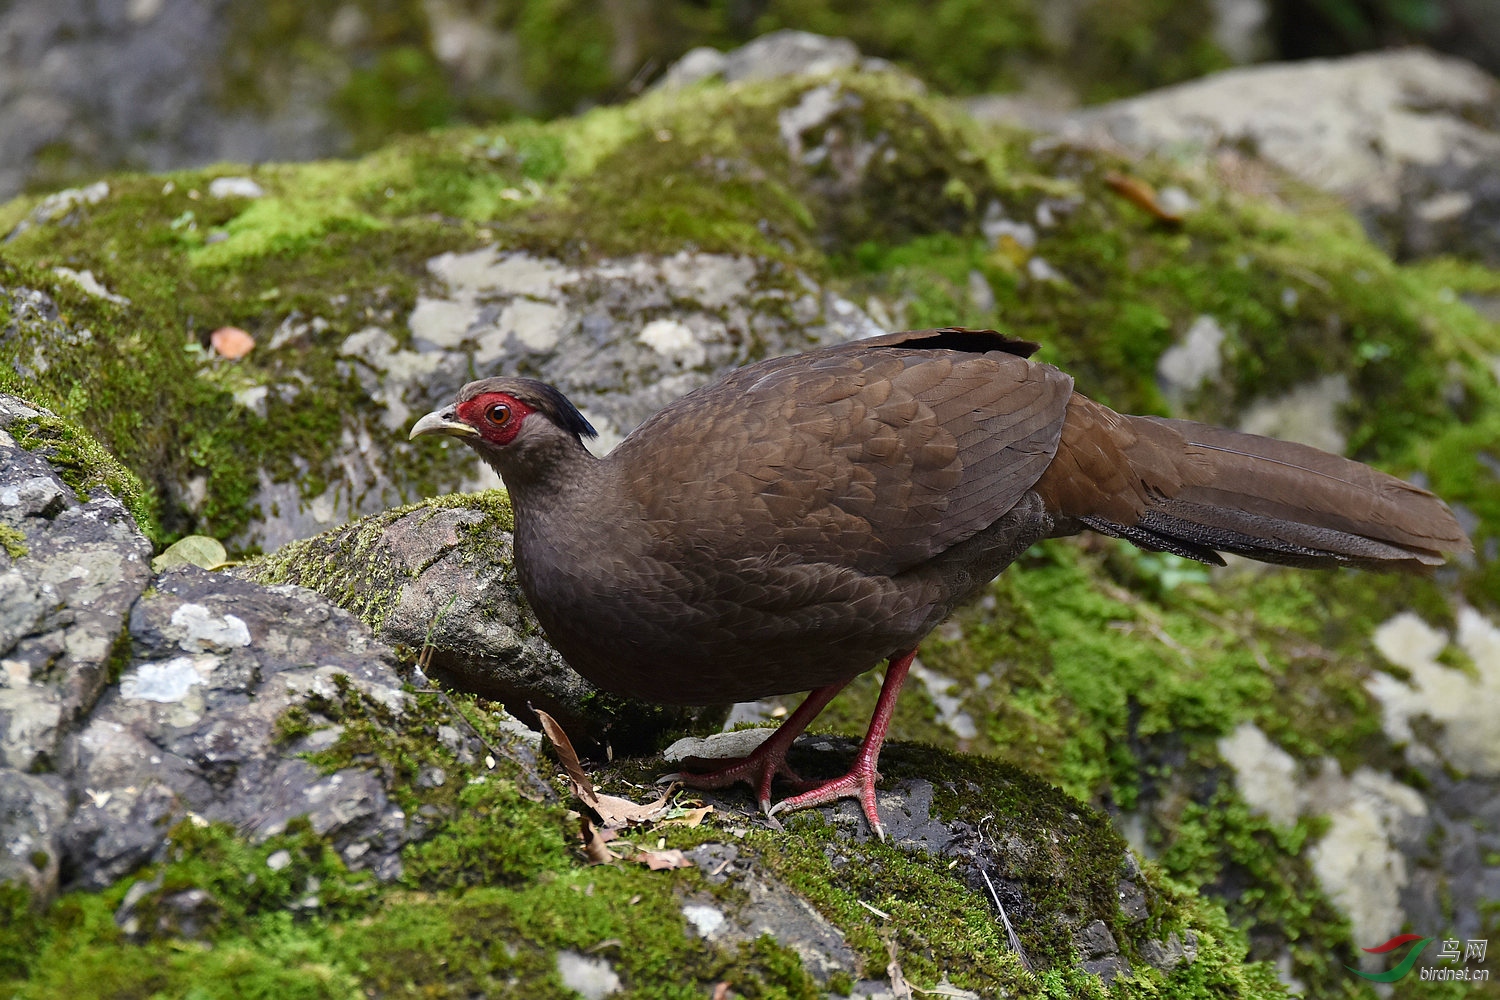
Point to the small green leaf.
(194, 550)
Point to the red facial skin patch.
(497, 416)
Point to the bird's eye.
(497, 414)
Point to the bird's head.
(515, 424)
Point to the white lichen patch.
(1372, 818)
(1198, 359)
(673, 340)
(714, 280)
(1265, 774)
(490, 272)
(200, 630)
(537, 325)
(443, 323)
(591, 978)
(706, 920)
(90, 284)
(1462, 703)
(234, 187)
(1358, 862)
(167, 681)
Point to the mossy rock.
(497, 890)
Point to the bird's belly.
(689, 669)
(730, 636)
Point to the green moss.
(120, 651)
(1081, 667)
(484, 905)
(1105, 671)
(20, 931)
(1257, 867)
(1124, 48)
(493, 839)
(85, 465)
(13, 540)
(341, 246)
(348, 565)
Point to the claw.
(859, 784)
(768, 762)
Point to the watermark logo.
(1453, 952)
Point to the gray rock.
(208, 666)
(770, 907)
(137, 84)
(1195, 361)
(1410, 138)
(1169, 954)
(32, 808)
(1101, 955)
(979, 853)
(1133, 905)
(206, 747)
(65, 600)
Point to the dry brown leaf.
(617, 812)
(660, 860)
(1142, 195)
(594, 849)
(582, 786)
(687, 817)
(899, 986)
(231, 342)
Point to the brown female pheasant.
(806, 517)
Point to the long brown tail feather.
(1196, 490)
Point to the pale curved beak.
(442, 422)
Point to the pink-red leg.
(859, 783)
(768, 760)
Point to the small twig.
(425, 657)
(1010, 932)
(879, 913)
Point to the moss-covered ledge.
(495, 894)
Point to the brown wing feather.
(874, 455)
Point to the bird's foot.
(859, 784)
(759, 769)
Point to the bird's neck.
(549, 474)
